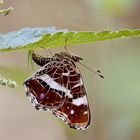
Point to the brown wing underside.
(71, 106)
(75, 115)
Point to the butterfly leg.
(66, 49)
(50, 52)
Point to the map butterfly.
(58, 87)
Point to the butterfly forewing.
(59, 88)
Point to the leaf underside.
(36, 38)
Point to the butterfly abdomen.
(39, 60)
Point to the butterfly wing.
(42, 90)
(75, 109)
(58, 87)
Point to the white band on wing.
(54, 85)
(80, 101)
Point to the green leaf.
(24, 37)
(6, 11)
(36, 38)
(7, 82)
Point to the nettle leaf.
(25, 38)
(36, 38)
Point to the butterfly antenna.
(43, 49)
(47, 51)
(96, 71)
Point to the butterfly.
(58, 87)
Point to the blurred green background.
(114, 101)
